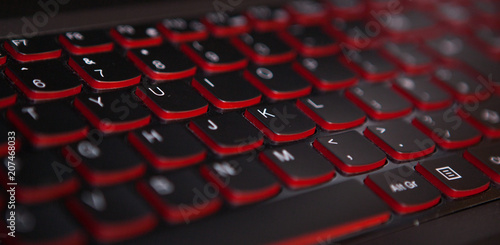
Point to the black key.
(227, 90)
(105, 70)
(40, 176)
(32, 49)
(86, 42)
(278, 82)
(487, 40)
(380, 102)
(326, 213)
(454, 176)
(162, 63)
(281, 122)
(113, 111)
(454, 14)
(332, 111)
(104, 161)
(370, 64)
(167, 146)
(408, 57)
(310, 41)
(350, 152)
(48, 124)
(226, 23)
(422, 92)
(136, 36)
(447, 130)
(404, 190)
(350, 9)
(112, 213)
(264, 48)
(485, 117)
(400, 140)
(307, 12)
(172, 100)
(181, 196)
(183, 30)
(44, 80)
(8, 95)
(409, 25)
(298, 166)
(487, 158)
(264, 18)
(215, 55)
(242, 180)
(352, 33)
(45, 223)
(463, 86)
(227, 134)
(326, 73)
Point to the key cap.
(227, 90)
(113, 111)
(310, 41)
(298, 166)
(409, 25)
(326, 219)
(40, 176)
(215, 55)
(488, 40)
(265, 18)
(408, 57)
(278, 82)
(44, 80)
(86, 42)
(404, 190)
(485, 117)
(44, 223)
(104, 215)
(447, 130)
(400, 140)
(221, 24)
(264, 48)
(307, 12)
(326, 73)
(104, 161)
(281, 122)
(486, 157)
(486, 11)
(461, 85)
(162, 63)
(455, 14)
(8, 95)
(227, 134)
(182, 30)
(350, 152)
(105, 70)
(242, 180)
(370, 65)
(136, 36)
(172, 100)
(453, 176)
(352, 9)
(331, 111)
(380, 102)
(167, 147)
(423, 93)
(353, 34)
(32, 49)
(180, 197)
(48, 124)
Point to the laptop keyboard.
(311, 122)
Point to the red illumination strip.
(223, 31)
(135, 43)
(262, 59)
(212, 67)
(7, 101)
(182, 37)
(3, 59)
(267, 25)
(373, 113)
(308, 19)
(411, 69)
(374, 77)
(304, 50)
(106, 47)
(31, 57)
(441, 141)
(220, 103)
(274, 94)
(422, 105)
(489, 132)
(46, 193)
(323, 85)
(159, 75)
(483, 167)
(325, 124)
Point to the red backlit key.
(167, 146)
(264, 18)
(222, 24)
(487, 40)
(3, 58)
(350, 152)
(462, 85)
(485, 117)
(326, 73)
(86, 42)
(409, 25)
(307, 12)
(352, 33)
(281, 122)
(136, 36)
(352, 9)
(227, 134)
(370, 65)
(32, 49)
(422, 92)
(310, 41)
(7, 149)
(264, 48)
(400, 140)
(298, 166)
(44, 80)
(183, 30)
(404, 190)
(8, 95)
(408, 57)
(454, 176)
(242, 180)
(487, 158)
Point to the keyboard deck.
(312, 122)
